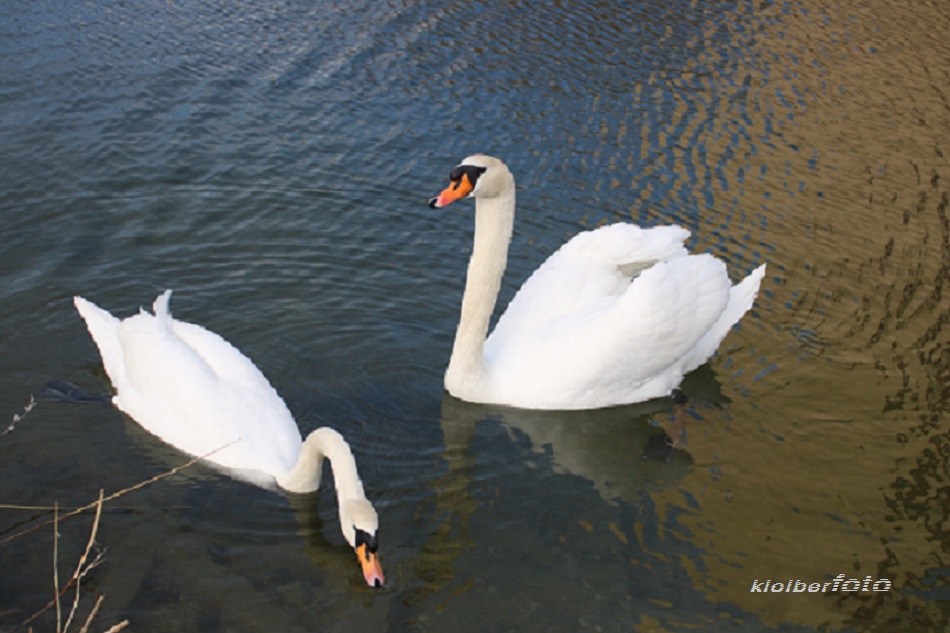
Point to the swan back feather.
(193, 389)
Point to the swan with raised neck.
(617, 315)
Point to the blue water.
(271, 161)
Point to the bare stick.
(19, 416)
(81, 568)
(92, 614)
(59, 615)
(116, 495)
(14, 506)
(98, 505)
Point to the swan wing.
(592, 265)
(258, 411)
(194, 390)
(624, 345)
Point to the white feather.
(617, 315)
(197, 392)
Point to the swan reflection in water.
(620, 450)
(513, 476)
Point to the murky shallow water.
(270, 162)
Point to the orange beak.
(372, 570)
(458, 189)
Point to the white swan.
(617, 315)
(197, 392)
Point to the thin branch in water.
(81, 567)
(84, 567)
(132, 508)
(59, 615)
(95, 609)
(19, 416)
(116, 495)
(92, 614)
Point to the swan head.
(360, 527)
(478, 176)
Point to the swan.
(197, 392)
(617, 315)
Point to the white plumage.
(194, 390)
(197, 392)
(617, 315)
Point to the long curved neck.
(494, 220)
(305, 475)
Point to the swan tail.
(104, 330)
(160, 306)
(741, 298)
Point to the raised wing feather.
(592, 265)
(581, 332)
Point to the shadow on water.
(620, 449)
(550, 515)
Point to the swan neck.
(494, 220)
(325, 443)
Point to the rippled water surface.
(270, 161)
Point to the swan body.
(197, 392)
(617, 315)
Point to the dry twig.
(114, 495)
(82, 568)
(85, 565)
(19, 416)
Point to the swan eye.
(472, 171)
(371, 541)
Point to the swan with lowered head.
(197, 392)
(617, 315)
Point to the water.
(271, 163)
